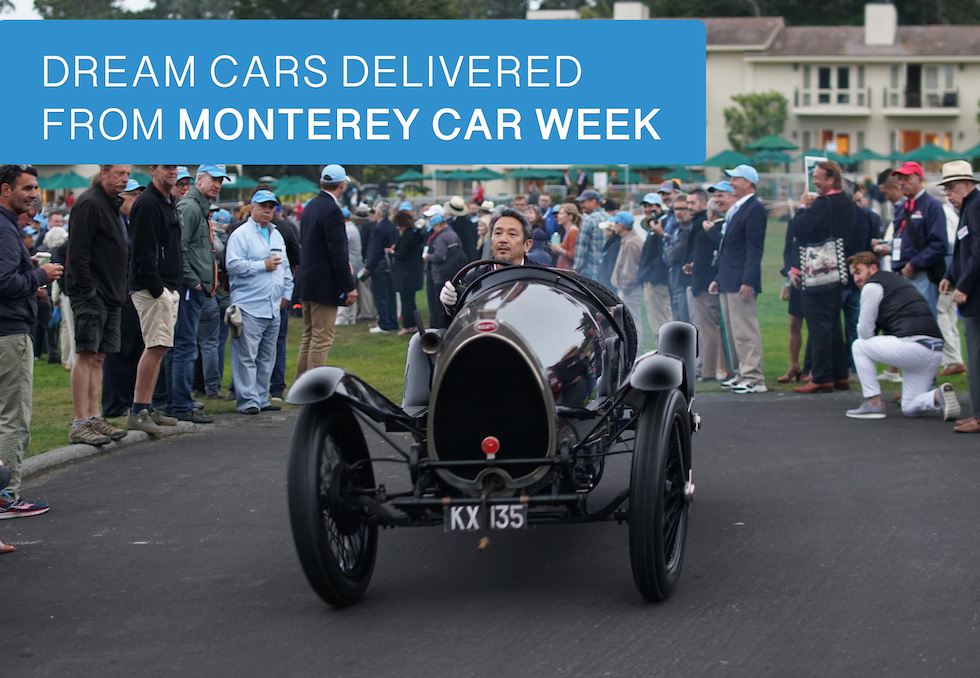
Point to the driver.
(510, 240)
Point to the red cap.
(909, 168)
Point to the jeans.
(252, 357)
(181, 372)
(678, 305)
(277, 385)
(207, 338)
(222, 341)
(383, 288)
(927, 289)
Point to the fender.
(657, 372)
(321, 383)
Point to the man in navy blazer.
(739, 279)
(325, 279)
(962, 280)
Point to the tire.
(335, 545)
(658, 509)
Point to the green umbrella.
(486, 174)
(50, 183)
(866, 154)
(895, 156)
(242, 182)
(547, 174)
(772, 156)
(410, 175)
(72, 180)
(685, 175)
(728, 158)
(830, 155)
(458, 175)
(772, 142)
(928, 153)
(443, 174)
(292, 185)
(523, 173)
(142, 179)
(971, 152)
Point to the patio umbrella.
(866, 154)
(458, 175)
(929, 153)
(242, 182)
(523, 173)
(727, 158)
(410, 175)
(772, 142)
(971, 152)
(72, 180)
(486, 174)
(50, 183)
(830, 155)
(772, 156)
(292, 185)
(895, 156)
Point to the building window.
(806, 140)
(843, 85)
(823, 84)
(860, 146)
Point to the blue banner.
(356, 92)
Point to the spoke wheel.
(658, 509)
(335, 544)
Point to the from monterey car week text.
(87, 72)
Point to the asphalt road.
(818, 546)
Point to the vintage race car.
(513, 410)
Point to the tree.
(79, 9)
(756, 115)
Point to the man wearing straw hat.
(962, 279)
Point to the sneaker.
(749, 387)
(888, 375)
(195, 417)
(21, 508)
(867, 411)
(86, 435)
(250, 410)
(951, 406)
(160, 418)
(143, 421)
(198, 405)
(271, 408)
(731, 382)
(217, 395)
(105, 428)
(377, 330)
(276, 399)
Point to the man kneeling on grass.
(910, 339)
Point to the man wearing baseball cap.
(625, 276)
(588, 247)
(739, 279)
(962, 280)
(197, 291)
(919, 244)
(654, 273)
(325, 278)
(261, 281)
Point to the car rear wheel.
(335, 544)
(658, 506)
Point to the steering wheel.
(456, 279)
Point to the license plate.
(470, 518)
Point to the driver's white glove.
(448, 294)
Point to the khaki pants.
(946, 312)
(712, 352)
(657, 298)
(742, 325)
(318, 331)
(16, 386)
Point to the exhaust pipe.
(430, 342)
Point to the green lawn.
(380, 359)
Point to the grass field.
(380, 359)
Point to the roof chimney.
(880, 23)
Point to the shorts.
(158, 316)
(97, 327)
(795, 302)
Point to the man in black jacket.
(376, 264)
(828, 216)
(909, 338)
(325, 278)
(155, 277)
(653, 273)
(962, 280)
(19, 282)
(95, 281)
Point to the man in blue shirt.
(261, 286)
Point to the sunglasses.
(9, 172)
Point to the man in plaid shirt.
(588, 247)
